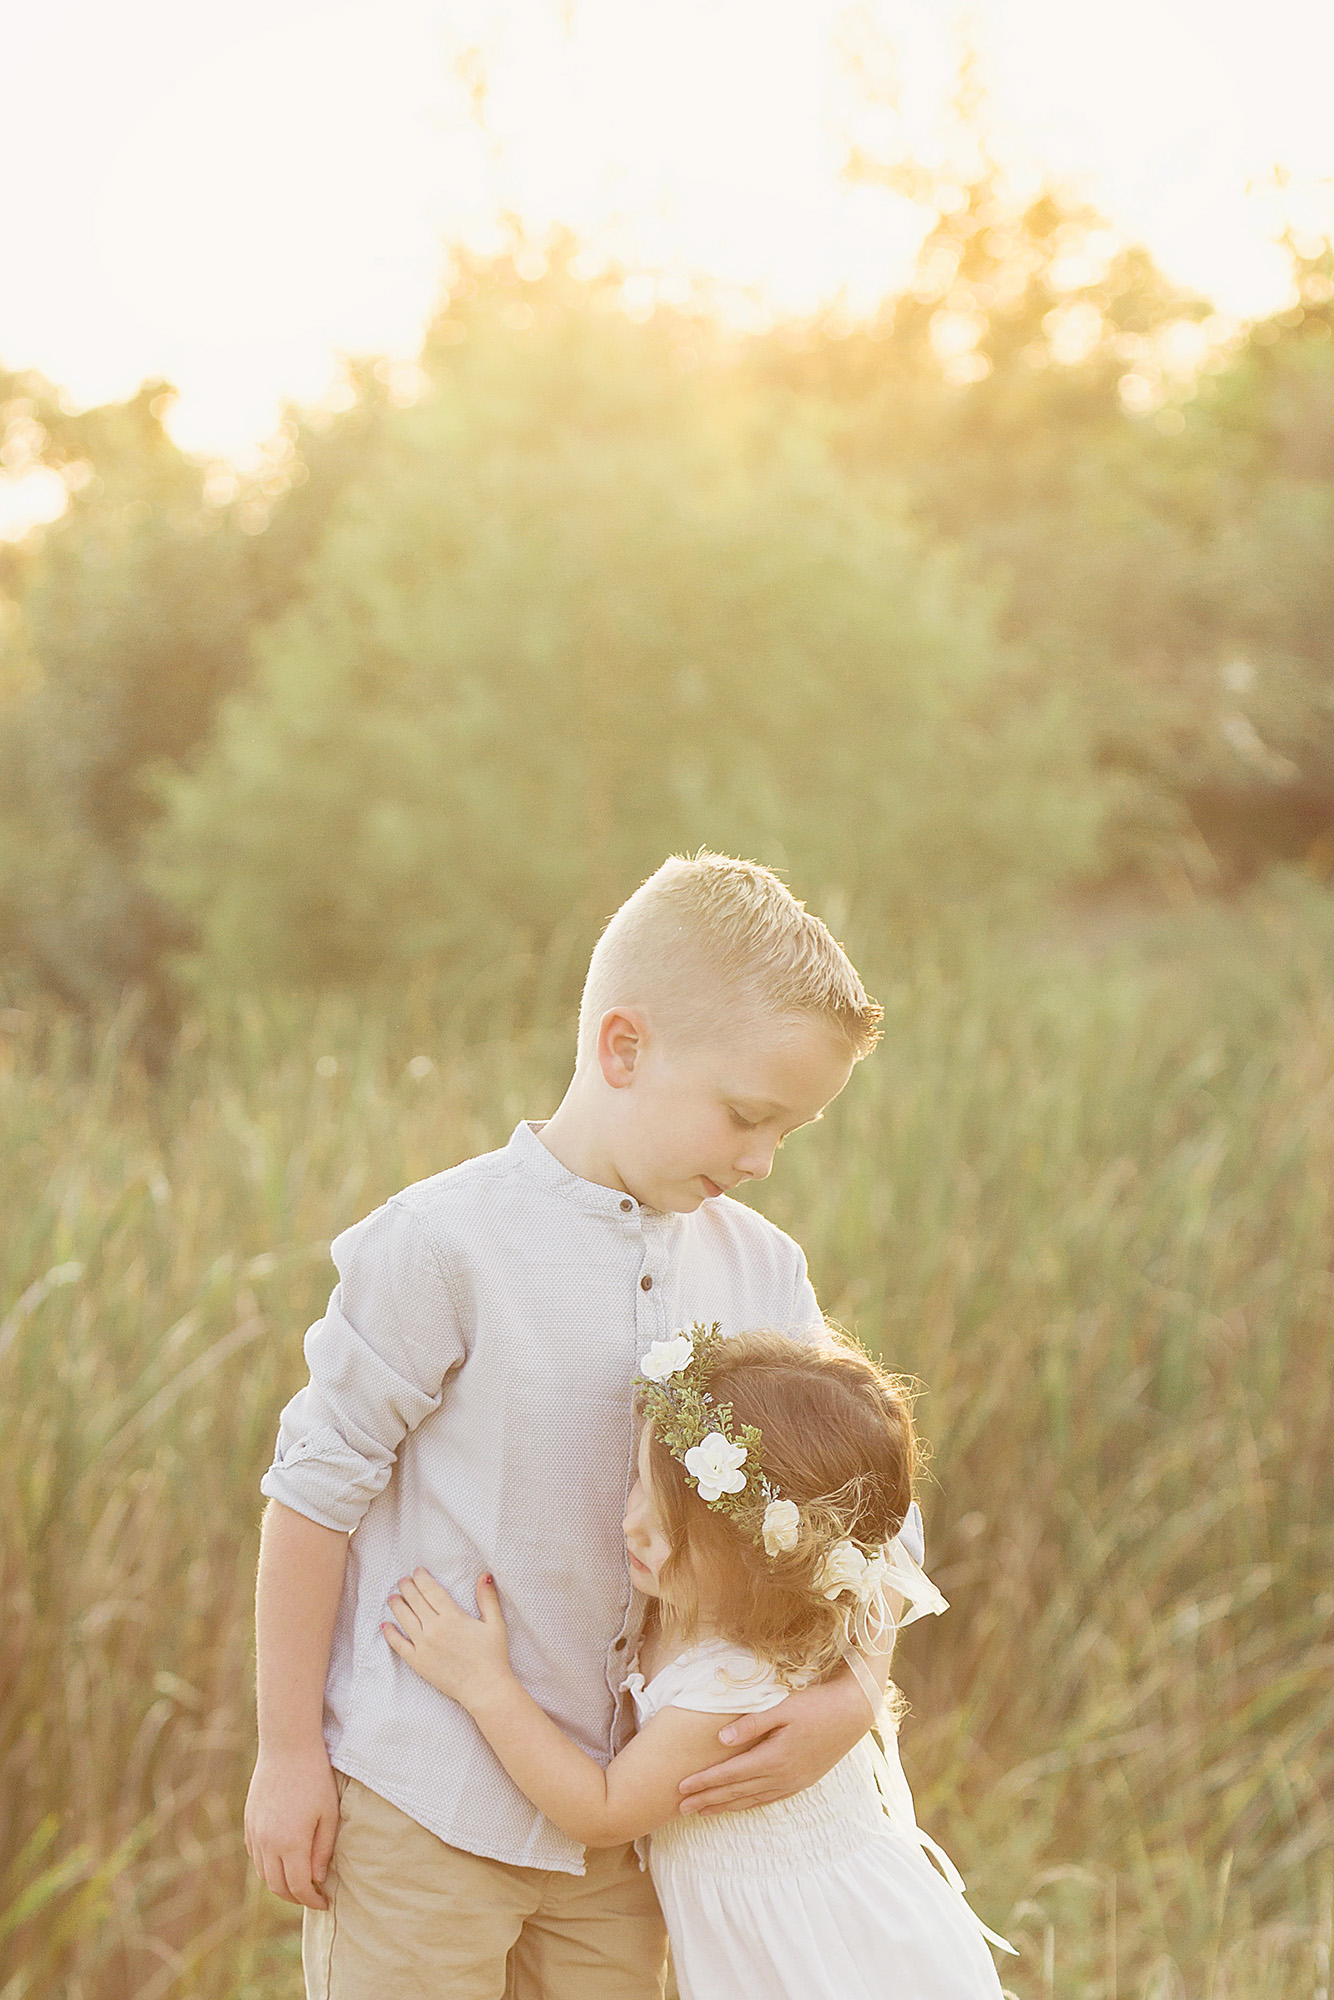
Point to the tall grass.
(1086, 1197)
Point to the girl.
(764, 1529)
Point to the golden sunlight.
(238, 202)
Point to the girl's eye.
(746, 1124)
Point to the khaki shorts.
(415, 1919)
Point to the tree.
(1148, 491)
(590, 601)
(129, 621)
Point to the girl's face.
(646, 1543)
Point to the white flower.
(873, 1576)
(667, 1357)
(781, 1526)
(842, 1569)
(715, 1465)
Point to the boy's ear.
(622, 1037)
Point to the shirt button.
(646, 1283)
(619, 1646)
(626, 1206)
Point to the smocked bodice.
(819, 1827)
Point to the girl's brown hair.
(837, 1438)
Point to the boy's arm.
(811, 1733)
(796, 1744)
(468, 1659)
(378, 1359)
(291, 1814)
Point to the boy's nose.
(757, 1166)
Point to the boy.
(469, 1406)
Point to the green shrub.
(584, 608)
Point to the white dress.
(824, 1896)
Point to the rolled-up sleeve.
(379, 1361)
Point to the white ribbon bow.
(874, 1582)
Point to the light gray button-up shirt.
(469, 1408)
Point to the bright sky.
(229, 197)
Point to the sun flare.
(232, 205)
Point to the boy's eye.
(746, 1124)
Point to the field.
(1083, 1191)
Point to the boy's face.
(694, 1121)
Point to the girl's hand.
(465, 1657)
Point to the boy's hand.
(291, 1823)
(796, 1743)
(465, 1657)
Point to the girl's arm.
(468, 1659)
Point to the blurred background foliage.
(1022, 584)
(1083, 1190)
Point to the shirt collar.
(591, 1196)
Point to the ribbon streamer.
(869, 1626)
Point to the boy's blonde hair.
(707, 937)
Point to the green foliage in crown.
(722, 1457)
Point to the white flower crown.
(729, 1477)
